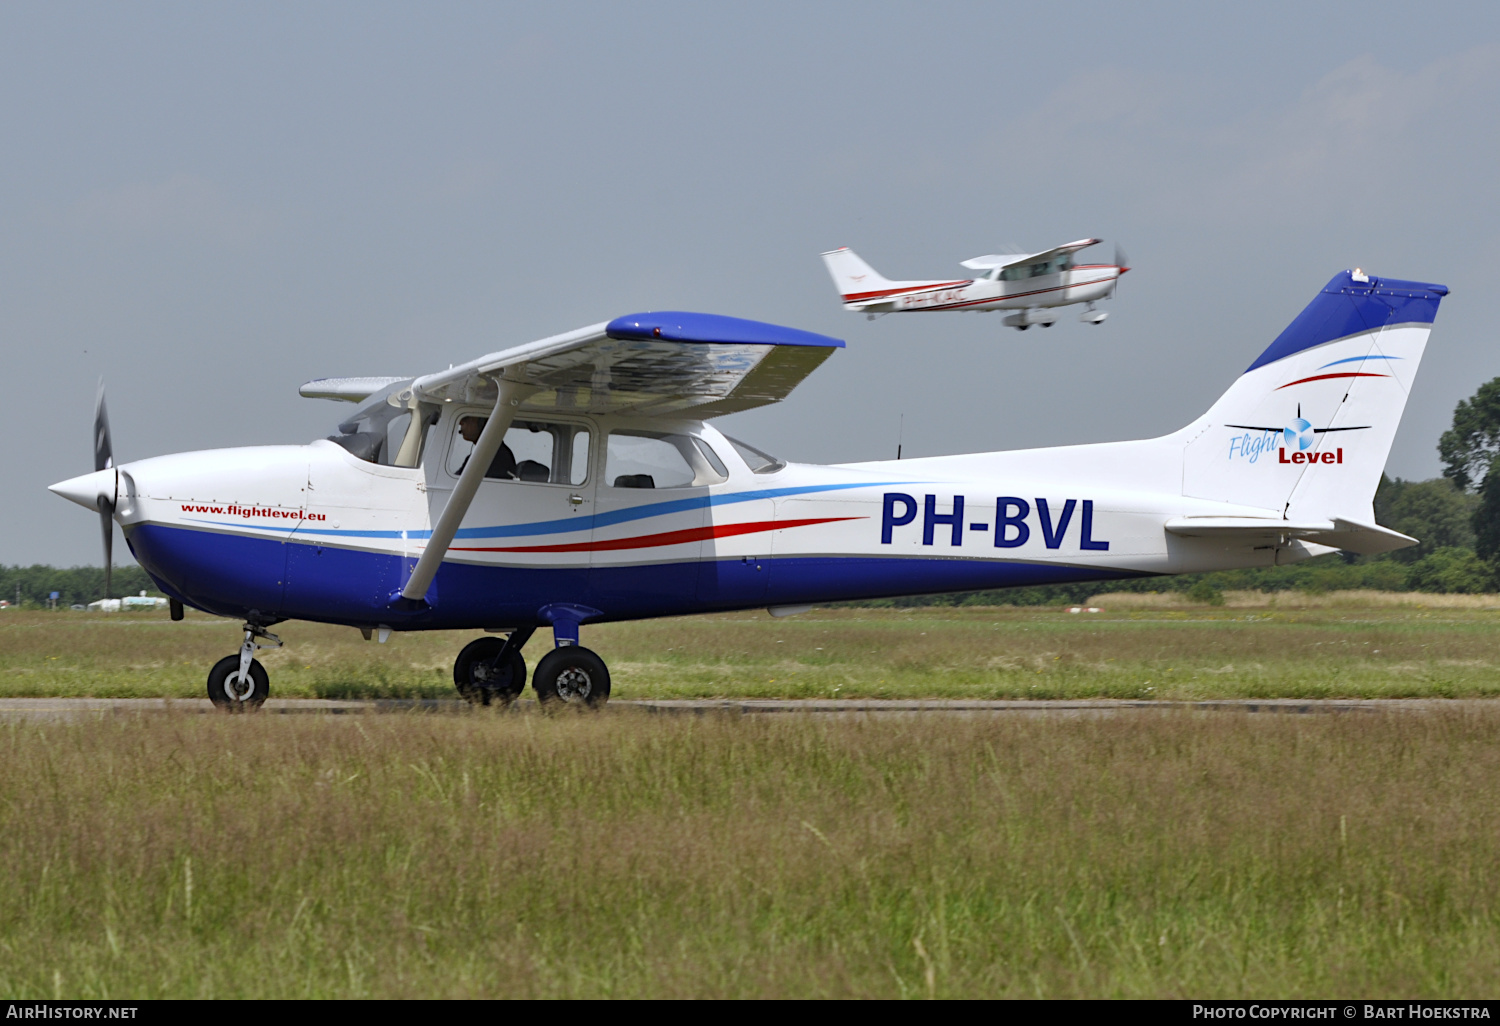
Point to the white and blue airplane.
(579, 479)
(1031, 285)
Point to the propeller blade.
(107, 523)
(1121, 260)
(104, 459)
(104, 453)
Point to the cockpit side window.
(543, 452)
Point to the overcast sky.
(209, 204)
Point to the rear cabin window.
(758, 462)
(635, 458)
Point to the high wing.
(994, 260)
(648, 364)
(349, 390)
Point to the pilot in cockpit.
(504, 463)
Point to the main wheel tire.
(571, 676)
(227, 692)
(480, 681)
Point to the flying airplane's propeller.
(1123, 263)
(104, 459)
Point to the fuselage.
(315, 532)
(1081, 283)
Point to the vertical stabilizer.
(1305, 431)
(854, 278)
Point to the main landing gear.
(490, 671)
(239, 682)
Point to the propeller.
(104, 459)
(1123, 263)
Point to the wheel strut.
(240, 686)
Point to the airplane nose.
(86, 489)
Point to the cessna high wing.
(1032, 285)
(580, 479)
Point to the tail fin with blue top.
(1305, 431)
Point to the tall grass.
(1353, 648)
(628, 855)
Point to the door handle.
(576, 499)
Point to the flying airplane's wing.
(988, 263)
(1351, 535)
(649, 364)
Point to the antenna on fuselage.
(900, 432)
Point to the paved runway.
(72, 708)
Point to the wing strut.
(511, 394)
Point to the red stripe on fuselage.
(860, 297)
(1325, 377)
(691, 534)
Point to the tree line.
(77, 585)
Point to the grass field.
(1338, 646)
(1159, 853)
(628, 855)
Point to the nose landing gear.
(239, 682)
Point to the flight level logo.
(1299, 433)
(1294, 438)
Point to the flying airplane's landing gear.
(491, 670)
(239, 682)
(571, 675)
(1092, 316)
(1023, 319)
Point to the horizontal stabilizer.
(1338, 533)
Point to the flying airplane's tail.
(1306, 430)
(862, 286)
(851, 275)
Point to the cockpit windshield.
(381, 431)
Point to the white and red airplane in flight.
(1033, 285)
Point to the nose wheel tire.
(571, 676)
(482, 679)
(228, 692)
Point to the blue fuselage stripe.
(571, 524)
